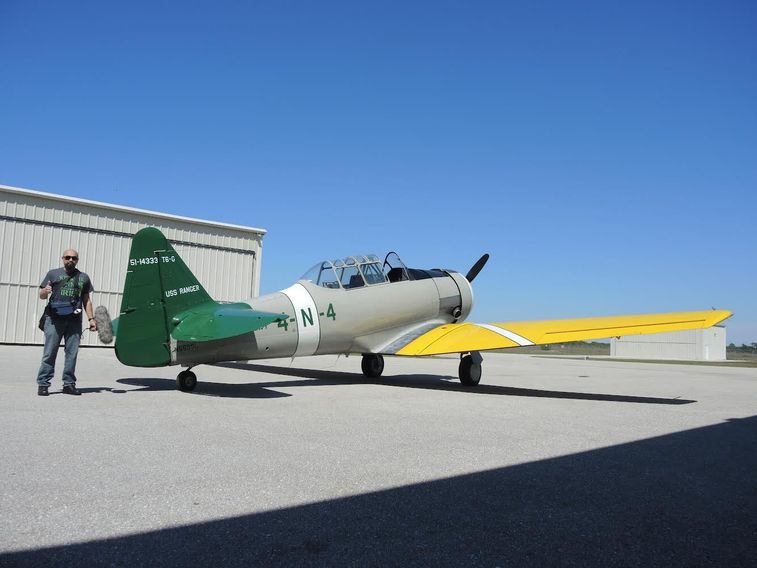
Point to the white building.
(36, 227)
(692, 345)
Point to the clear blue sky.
(604, 153)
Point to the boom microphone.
(104, 324)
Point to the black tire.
(186, 381)
(372, 365)
(469, 371)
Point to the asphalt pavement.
(560, 462)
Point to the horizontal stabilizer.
(214, 321)
(464, 337)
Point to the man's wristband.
(91, 319)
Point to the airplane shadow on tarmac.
(682, 499)
(333, 378)
(205, 388)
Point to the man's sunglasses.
(70, 258)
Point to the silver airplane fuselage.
(323, 320)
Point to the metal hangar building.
(36, 227)
(691, 345)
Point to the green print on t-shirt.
(68, 290)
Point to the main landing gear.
(372, 365)
(186, 381)
(469, 370)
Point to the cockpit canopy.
(358, 271)
(351, 272)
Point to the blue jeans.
(68, 329)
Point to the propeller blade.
(476, 268)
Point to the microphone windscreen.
(104, 324)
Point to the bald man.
(68, 292)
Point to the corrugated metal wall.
(692, 345)
(35, 228)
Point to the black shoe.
(42, 391)
(71, 389)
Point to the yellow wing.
(463, 337)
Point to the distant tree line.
(744, 348)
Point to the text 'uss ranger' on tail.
(359, 305)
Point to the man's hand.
(92, 324)
(46, 291)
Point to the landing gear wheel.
(186, 381)
(372, 365)
(469, 371)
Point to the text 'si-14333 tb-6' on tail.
(358, 305)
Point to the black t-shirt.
(63, 284)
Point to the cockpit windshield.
(322, 274)
(351, 272)
(394, 268)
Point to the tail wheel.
(372, 365)
(469, 371)
(186, 381)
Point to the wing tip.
(719, 316)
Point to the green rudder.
(158, 286)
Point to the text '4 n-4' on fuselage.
(355, 306)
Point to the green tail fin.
(158, 287)
(163, 301)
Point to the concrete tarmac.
(564, 462)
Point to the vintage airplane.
(358, 305)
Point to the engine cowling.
(465, 295)
(455, 293)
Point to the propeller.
(476, 268)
